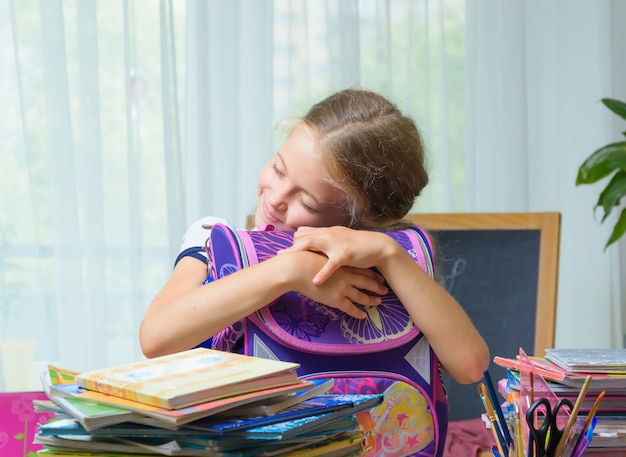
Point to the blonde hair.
(374, 154)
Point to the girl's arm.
(453, 337)
(185, 312)
(460, 348)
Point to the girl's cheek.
(264, 179)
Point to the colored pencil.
(573, 415)
(593, 410)
(491, 391)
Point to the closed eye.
(277, 171)
(305, 206)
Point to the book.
(69, 426)
(229, 444)
(589, 360)
(69, 446)
(312, 407)
(187, 445)
(55, 453)
(274, 405)
(203, 437)
(308, 424)
(47, 406)
(295, 427)
(129, 446)
(66, 428)
(346, 443)
(189, 377)
(66, 435)
(173, 419)
(349, 443)
(91, 415)
(561, 379)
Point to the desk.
(19, 422)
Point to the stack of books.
(200, 402)
(562, 373)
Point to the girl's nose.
(279, 198)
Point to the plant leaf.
(612, 193)
(602, 162)
(617, 106)
(618, 230)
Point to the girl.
(353, 162)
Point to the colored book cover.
(558, 376)
(189, 377)
(175, 418)
(312, 423)
(89, 414)
(69, 426)
(589, 360)
(275, 405)
(313, 407)
(290, 428)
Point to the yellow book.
(190, 377)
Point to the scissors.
(543, 425)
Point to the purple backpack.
(384, 353)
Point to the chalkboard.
(494, 275)
(502, 269)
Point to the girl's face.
(292, 192)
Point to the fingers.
(308, 244)
(369, 284)
(304, 243)
(347, 305)
(313, 239)
(351, 310)
(366, 291)
(326, 272)
(365, 299)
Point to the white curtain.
(91, 153)
(272, 59)
(535, 73)
(122, 122)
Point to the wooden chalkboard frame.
(549, 225)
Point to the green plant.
(606, 160)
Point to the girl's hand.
(343, 247)
(344, 288)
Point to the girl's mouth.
(269, 216)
